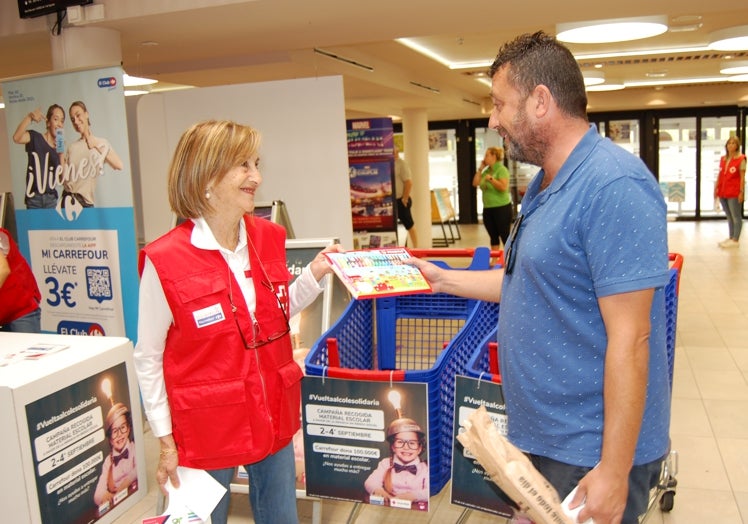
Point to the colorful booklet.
(373, 273)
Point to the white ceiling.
(214, 42)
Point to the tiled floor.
(709, 428)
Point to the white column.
(416, 153)
(82, 47)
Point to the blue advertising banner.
(72, 187)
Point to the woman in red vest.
(214, 356)
(19, 294)
(730, 189)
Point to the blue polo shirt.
(599, 229)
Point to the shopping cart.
(426, 338)
(663, 495)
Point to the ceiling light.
(609, 85)
(593, 78)
(735, 67)
(132, 81)
(738, 78)
(613, 30)
(730, 39)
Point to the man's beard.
(528, 143)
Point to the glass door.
(677, 165)
(625, 133)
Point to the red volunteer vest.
(728, 181)
(229, 405)
(19, 295)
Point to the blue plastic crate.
(479, 364)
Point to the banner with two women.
(72, 191)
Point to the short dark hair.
(538, 58)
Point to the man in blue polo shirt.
(582, 327)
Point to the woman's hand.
(320, 266)
(168, 460)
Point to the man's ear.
(542, 99)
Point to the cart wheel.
(667, 501)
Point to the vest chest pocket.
(203, 306)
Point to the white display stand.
(55, 394)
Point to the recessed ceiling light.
(609, 85)
(613, 30)
(738, 78)
(132, 81)
(592, 78)
(735, 67)
(729, 39)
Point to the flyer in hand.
(373, 273)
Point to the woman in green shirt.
(493, 179)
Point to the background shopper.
(582, 333)
(492, 178)
(730, 189)
(403, 190)
(19, 293)
(214, 355)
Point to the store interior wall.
(304, 158)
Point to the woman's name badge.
(208, 316)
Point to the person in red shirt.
(19, 293)
(730, 189)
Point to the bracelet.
(168, 451)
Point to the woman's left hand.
(320, 266)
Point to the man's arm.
(480, 285)
(407, 188)
(627, 324)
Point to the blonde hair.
(205, 153)
(497, 152)
(733, 138)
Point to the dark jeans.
(565, 477)
(30, 323)
(272, 489)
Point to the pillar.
(85, 47)
(416, 153)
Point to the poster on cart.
(366, 441)
(471, 485)
(83, 448)
(72, 188)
